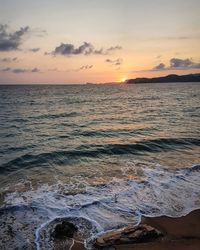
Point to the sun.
(123, 79)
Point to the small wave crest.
(60, 115)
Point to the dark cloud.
(178, 64)
(160, 66)
(35, 70)
(34, 50)
(116, 62)
(20, 71)
(9, 60)
(69, 49)
(85, 67)
(11, 40)
(86, 48)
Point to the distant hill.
(166, 79)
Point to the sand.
(178, 234)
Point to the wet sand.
(182, 244)
(186, 226)
(178, 234)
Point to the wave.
(111, 132)
(103, 207)
(55, 116)
(93, 151)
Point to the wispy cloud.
(34, 50)
(116, 62)
(39, 32)
(20, 70)
(178, 37)
(108, 51)
(53, 70)
(9, 60)
(11, 40)
(86, 67)
(82, 68)
(5, 69)
(67, 49)
(159, 56)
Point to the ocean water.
(100, 155)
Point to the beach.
(178, 233)
(181, 233)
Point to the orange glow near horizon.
(123, 79)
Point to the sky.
(78, 41)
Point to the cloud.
(180, 63)
(177, 64)
(99, 52)
(9, 60)
(21, 71)
(11, 40)
(18, 71)
(107, 51)
(114, 48)
(116, 62)
(67, 49)
(34, 50)
(85, 67)
(35, 70)
(6, 69)
(158, 57)
(160, 66)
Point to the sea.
(99, 155)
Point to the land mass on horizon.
(166, 79)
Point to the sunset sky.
(78, 41)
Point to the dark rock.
(129, 235)
(64, 230)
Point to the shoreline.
(172, 233)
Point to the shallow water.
(101, 155)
